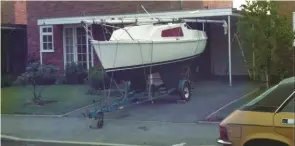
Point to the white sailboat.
(148, 45)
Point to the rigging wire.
(113, 67)
(117, 86)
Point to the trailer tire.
(99, 118)
(99, 123)
(185, 92)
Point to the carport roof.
(176, 14)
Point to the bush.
(95, 78)
(21, 80)
(49, 75)
(38, 74)
(75, 73)
(7, 80)
(60, 80)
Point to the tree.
(267, 38)
(37, 74)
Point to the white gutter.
(175, 14)
(128, 20)
(204, 21)
(148, 20)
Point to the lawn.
(68, 97)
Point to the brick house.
(63, 43)
(13, 29)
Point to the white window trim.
(46, 33)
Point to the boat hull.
(170, 74)
(122, 55)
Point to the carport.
(219, 54)
(221, 58)
(13, 55)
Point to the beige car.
(268, 120)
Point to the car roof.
(273, 98)
(290, 80)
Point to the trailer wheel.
(185, 92)
(99, 118)
(99, 123)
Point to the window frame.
(46, 33)
(285, 103)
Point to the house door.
(76, 46)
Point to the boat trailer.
(131, 98)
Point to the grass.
(220, 115)
(69, 97)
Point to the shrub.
(21, 80)
(48, 75)
(38, 74)
(75, 73)
(60, 80)
(7, 80)
(95, 78)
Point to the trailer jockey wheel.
(99, 119)
(185, 92)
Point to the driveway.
(163, 123)
(207, 97)
(76, 130)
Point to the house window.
(46, 38)
(174, 32)
(76, 46)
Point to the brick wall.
(6, 12)
(13, 12)
(53, 9)
(20, 12)
(286, 8)
(218, 4)
(208, 4)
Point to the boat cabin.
(157, 32)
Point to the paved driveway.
(207, 97)
(132, 125)
(114, 133)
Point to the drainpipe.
(180, 4)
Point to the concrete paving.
(163, 123)
(114, 131)
(207, 97)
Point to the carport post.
(203, 26)
(229, 52)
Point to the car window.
(261, 96)
(273, 97)
(290, 106)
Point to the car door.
(284, 119)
